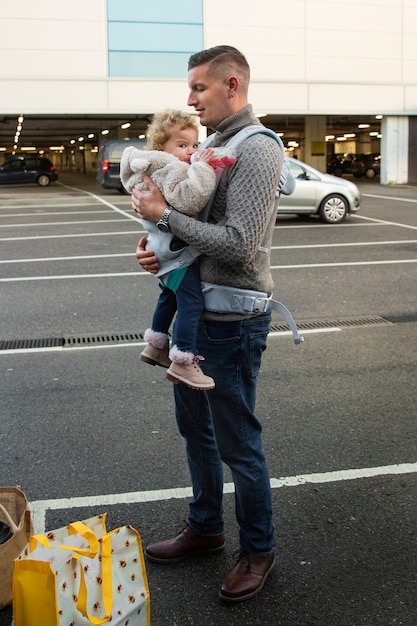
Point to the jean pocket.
(257, 346)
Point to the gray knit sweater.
(231, 252)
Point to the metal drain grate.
(346, 323)
(83, 340)
(21, 344)
(128, 337)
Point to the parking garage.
(72, 142)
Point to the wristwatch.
(163, 223)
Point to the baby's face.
(182, 144)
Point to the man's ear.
(232, 85)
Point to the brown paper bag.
(14, 511)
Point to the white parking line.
(344, 245)
(296, 247)
(72, 223)
(385, 222)
(72, 235)
(371, 195)
(131, 216)
(41, 507)
(68, 258)
(273, 267)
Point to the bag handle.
(78, 528)
(107, 585)
(106, 566)
(9, 520)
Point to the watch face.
(162, 227)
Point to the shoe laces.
(241, 554)
(198, 358)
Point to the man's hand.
(147, 260)
(148, 205)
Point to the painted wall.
(307, 56)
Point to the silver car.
(316, 193)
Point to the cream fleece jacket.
(186, 187)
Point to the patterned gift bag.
(81, 575)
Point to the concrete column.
(315, 144)
(412, 150)
(88, 159)
(394, 150)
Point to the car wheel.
(370, 173)
(333, 209)
(43, 180)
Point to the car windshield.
(298, 171)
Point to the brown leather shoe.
(247, 577)
(186, 544)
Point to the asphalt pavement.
(86, 427)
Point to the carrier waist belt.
(224, 299)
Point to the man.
(220, 425)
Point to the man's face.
(209, 95)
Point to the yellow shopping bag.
(82, 574)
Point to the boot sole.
(179, 379)
(183, 557)
(150, 361)
(250, 595)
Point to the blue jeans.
(188, 300)
(220, 426)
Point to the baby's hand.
(205, 155)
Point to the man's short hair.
(221, 57)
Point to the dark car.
(339, 164)
(108, 161)
(368, 165)
(28, 169)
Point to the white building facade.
(314, 58)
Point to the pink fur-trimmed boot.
(185, 369)
(156, 352)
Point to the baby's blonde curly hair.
(162, 125)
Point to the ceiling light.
(80, 138)
(20, 119)
(261, 114)
(141, 136)
(349, 135)
(374, 134)
(126, 125)
(56, 147)
(379, 117)
(91, 136)
(72, 141)
(28, 149)
(329, 137)
(363, 125)
(341, 138)
(105, 132)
